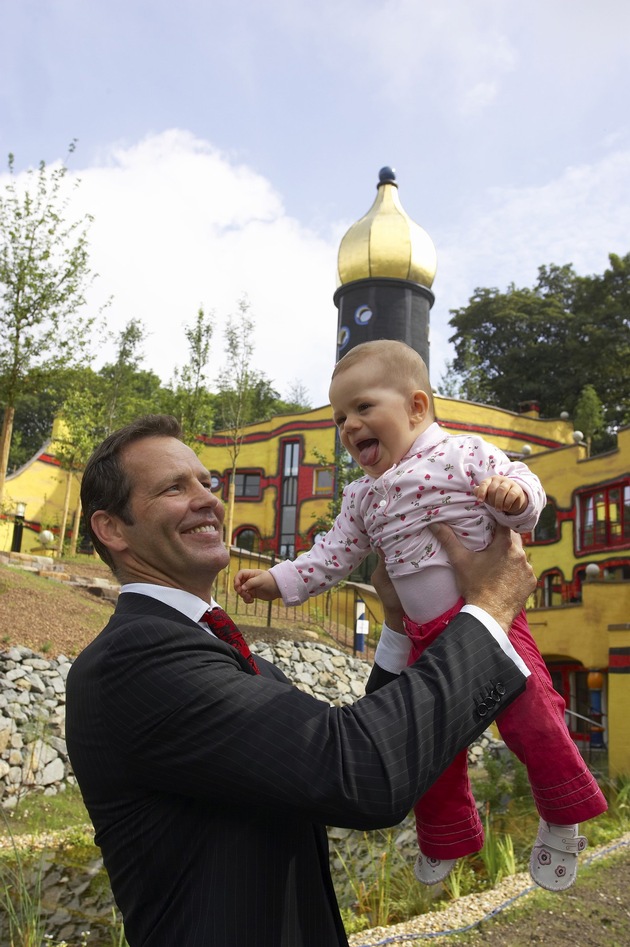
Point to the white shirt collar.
(188, 604)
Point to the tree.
(118, 378)
(44, 275)
(35, 412)
(189, 399)
(298, 398)
(589, 415)
(82, 430)
(548, 342)
(124, 390)
(236, 386)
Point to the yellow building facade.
(286, 472)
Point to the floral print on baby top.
(433, 482)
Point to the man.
(209, 784)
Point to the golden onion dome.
(386, 242)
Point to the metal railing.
(334, 612)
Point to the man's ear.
(420, 405)
(110, 530)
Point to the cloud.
(178, 224)
(580, 217)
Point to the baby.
(416, 474)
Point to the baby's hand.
(251, 584)
(502, 493)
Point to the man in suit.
(210, 781)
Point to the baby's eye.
(340, 420)
(364, 406)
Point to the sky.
(224, 149)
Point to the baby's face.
(377, 421)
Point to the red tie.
(224, 628)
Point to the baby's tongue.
(369, 453)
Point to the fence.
(335, 612)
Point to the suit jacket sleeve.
(186, 717)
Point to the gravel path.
(468, 911)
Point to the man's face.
(176, 538)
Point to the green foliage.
(345, 471)
(387, 891)
(20, 896)
(238, 379)
(189, 399)
(548, 342)
(503, 782)
(616, 820)
(122, 391)
(44, 276)
(497, 853)
(461, 879)
(589, 414)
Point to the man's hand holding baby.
(503, 494)
(253, 584)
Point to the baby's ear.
(420, 405)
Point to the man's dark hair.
(106, 485)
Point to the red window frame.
(604, 516)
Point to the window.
(288, 497)
(247, 486)
(604, 517)
(547, 527)
(247, 539)
(323, 480)
(551, 590)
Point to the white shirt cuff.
(392, 650)
(498, 634)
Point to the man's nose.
(202, 497)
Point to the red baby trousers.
(534, 729)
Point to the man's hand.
(251, 584)
(498, 579)
(392, 609)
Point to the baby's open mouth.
(368, 452)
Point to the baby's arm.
(251, 584)
(503, 494)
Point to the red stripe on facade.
(619, 660)
(49, 459)
(498, 432)
(222, 440)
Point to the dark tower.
(386, 267)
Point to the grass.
(37, 814)
(40, 829)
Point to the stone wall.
(33, 753)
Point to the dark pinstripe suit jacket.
(209, 787)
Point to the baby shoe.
(554, 860)
(430, 871)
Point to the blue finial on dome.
(387, 175)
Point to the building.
(580, 614)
